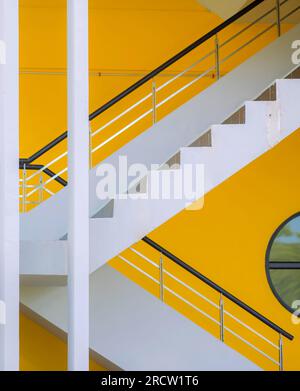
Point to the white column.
(78, 146)
(9, 181)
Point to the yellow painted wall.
(42, 351)
(227, 241)
(136, 37)
(122, 39)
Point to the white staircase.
(233, 147)
(43, 250)
(130, 328)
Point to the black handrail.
(176, 58)
(149, 76)
(26, 163)
(216, 287)
(45, 149)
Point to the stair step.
(224, 151)
(288, 101)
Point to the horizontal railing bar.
(60, 180)
(47, 182)
(121, 115)
(251, 345)
(290, 13)
(191, 304)
(184, 87)
(55, 176)
(175, 58)
(27, 186)
(251, 329)
(202, 297)
(247, 27)
(186, 70)
(166, 288)
(31, 193)
(156, 72)
(166, 272)
(47, 171)
(191, 289)
(247, 43)
(216, 287)
(144, 257)
(138, 269)
(149, 111)
(149, 76)
(48, 191)
(41, 187)
(42, 169)
(122, 130)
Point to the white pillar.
(78, 147)
(9, 181)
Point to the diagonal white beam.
(78, 146)
(9, 182)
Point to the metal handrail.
(203, 297)
(148, 77)
(164, 287)
(176, 58)
(217, 288)
(26, 164)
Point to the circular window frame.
(267, 261)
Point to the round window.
(283, 263)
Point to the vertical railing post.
(24, 189)
(278, 17)
(280, 346)
(161, 278)
(217, 54)
(41, 188)
(154, 101)
(221, 306)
